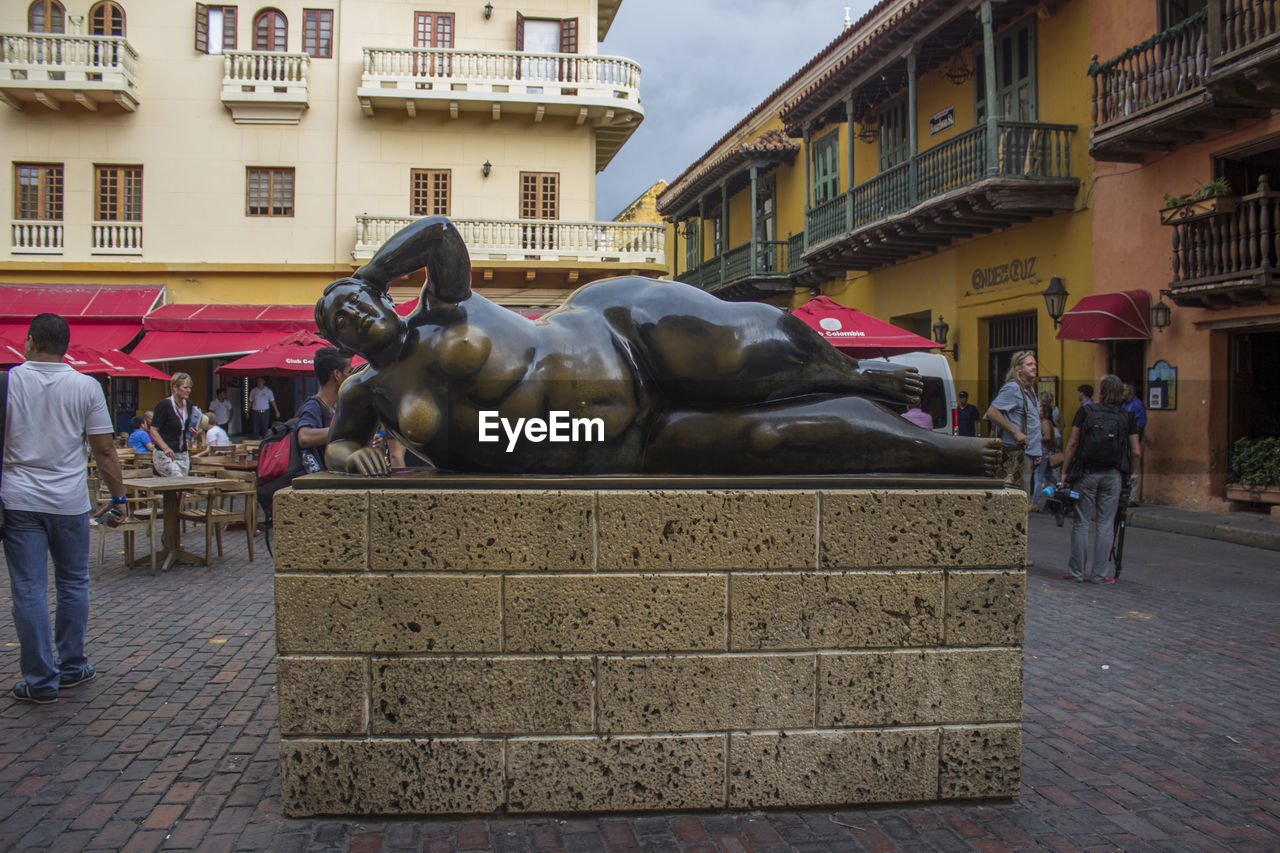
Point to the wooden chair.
(142, 512)
(200, 506)
(216, 506)
(237, 485)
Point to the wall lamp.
(940, 330)
(1055, 300)
(486, 168)
(1161, 313)
(488, 11)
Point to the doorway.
(1006, 336)
(1253, 398)
(1127, 359)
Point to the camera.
(1060, 500)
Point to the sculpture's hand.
(896, 382)
(368, 462)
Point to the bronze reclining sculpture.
(629, 375)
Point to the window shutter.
(569, 35)
(228, 27)
(202, 28)
(519, 31)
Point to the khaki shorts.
(179, 466)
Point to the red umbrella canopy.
(292, 355)
(857, 334)
(115, 364)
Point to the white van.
(939, 397)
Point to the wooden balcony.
(56, 70)
(1228, 258)
(1200, 76)
(546, 241)
(951, 191)
(265, 88)
(755, 270)
(600, 91)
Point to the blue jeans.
(260, 422)
(29, 539)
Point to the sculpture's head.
(358, 318)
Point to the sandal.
(22, 692)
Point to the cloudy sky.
(704, 65)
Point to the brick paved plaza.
(1152, 722)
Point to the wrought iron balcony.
(1229, 255)
(602, 91)
(1201, 75)
(54, 70)
(261, 87)
(738, 276)
(539, 240)
(950, 191)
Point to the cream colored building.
(250, 154)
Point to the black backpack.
(1104, 439)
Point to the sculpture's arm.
(433, 243)
(354, 424)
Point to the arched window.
(46, 16)
(270, 31)
(106, 19)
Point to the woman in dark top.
(170, 426)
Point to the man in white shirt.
(221, 409)
(262, 402)
(51, 412)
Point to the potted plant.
(1210, 198)
(1255, 470)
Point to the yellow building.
(245, 156)
(927, 165)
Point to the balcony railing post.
(912, 140)
(755, 212)
(989, 81)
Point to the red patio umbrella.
(126, 366)
(115, 364)
(292, 355)
(857, 334)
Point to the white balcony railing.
(448, 72)
(36, 237)
(625, 243)
(55, 68)
(117, 238)
(261, 87)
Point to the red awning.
(1123, 316)
(102, 317)
(175, 346)
(76, 302)
(280, 319)
(857, 334)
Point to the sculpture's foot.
(973, 457)
(895, 383)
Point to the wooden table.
(172, 488)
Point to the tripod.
(1121, 522)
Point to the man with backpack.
(315, 415)
(1101, 452)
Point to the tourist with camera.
(1101, 452)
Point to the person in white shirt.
(221, 409)
(217, 437)
(262, 402)
(51, 412)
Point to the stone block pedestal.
(475, 651)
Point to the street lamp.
(488, 11)
(486, 168)
(1160, 313)
(940, 329)
(1055, 300)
